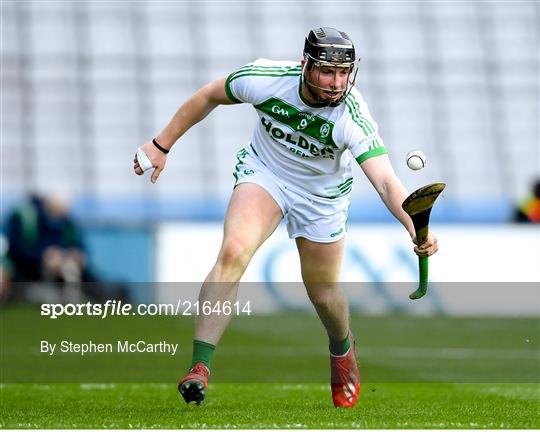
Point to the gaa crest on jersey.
(325, 130)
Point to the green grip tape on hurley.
(423, 265)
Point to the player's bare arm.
(195, 109)
(380, 173)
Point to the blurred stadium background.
(85, 83)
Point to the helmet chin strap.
(313, 94)
(318, 99)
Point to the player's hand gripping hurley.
(418, 206)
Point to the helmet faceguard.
(328, 47)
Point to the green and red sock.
(202, 353)
(339, 348)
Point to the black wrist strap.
(164, 150)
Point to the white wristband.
(143, 160)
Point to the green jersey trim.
(228, 90)
(315, 126)
(258, 71)
(354, 110)
(375, 151)
(269, 68)
(265, 71)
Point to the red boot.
(193, 386)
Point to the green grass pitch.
(256, 406)
(271, 372)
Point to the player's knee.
(323, 297)
(234, 255)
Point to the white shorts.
(322, 220)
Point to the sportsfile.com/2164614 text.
(118, 308)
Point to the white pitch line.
(98, 386)
(452, 353)
(403, 352)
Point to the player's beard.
(313, 92)
(315, 89)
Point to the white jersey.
(311, 148)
